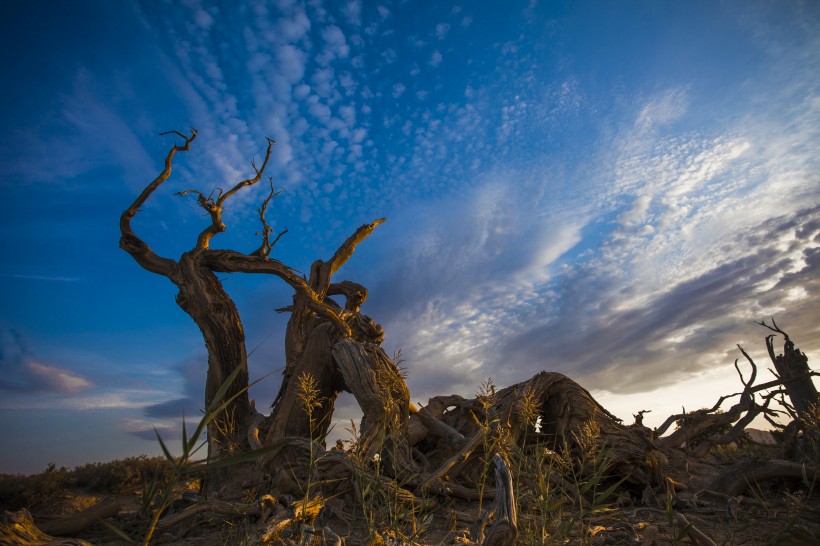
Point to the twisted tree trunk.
(203, 297)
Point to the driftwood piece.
(741, 476)
(452, 438)
(695, 535)
(77, 522)
(18, 529)
(300, 511)
(215, 506)
(504, 531)
(458, 458)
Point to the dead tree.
(442, 449)
(203, 297)
(453, 432)
(339, 355)
(335, 346)
(793, 370)
(703, 429)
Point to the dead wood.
(382, 394)
(299, 511)
(214, 506)
(434, 479)
(793, 370)
(504, 530)
(566, 408)
(706, 428)
(202, 296)
(442, 449)
(450, 437)
(740, 477)
(695, 535)
(78, 522)
(18, 529)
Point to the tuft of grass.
(309, 396)
(161, 491)
(565, 493)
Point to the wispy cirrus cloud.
(41, 277)
(702, 236)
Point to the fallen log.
(18, 529)
(738, 478)
(78, 522)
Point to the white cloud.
(441, 30)
(435, 58)
(58, 379)
(352, 11)
(335, 45)
(203, 19)
(661, 110)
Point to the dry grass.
(561, 500)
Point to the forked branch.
(214, 206)
(264, 250)
(129, 241)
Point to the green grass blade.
(119, 532)
(601, 497)
(186, 446)
(223, 390)
(164, 448)
(248, 456)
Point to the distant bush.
(18, 491)
(49, 486)
(120, 475)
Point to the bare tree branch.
(214, 206)
(346, 250)
(264, 250)
(129, 241)
(229, 261)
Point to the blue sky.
(613, 191)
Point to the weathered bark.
(565, 409)
(382, 394)
(740, 477)
(304, 319)
(318, 329)
(202, 296)
(18, 529)
(78, 522)
(504, 531)
(793, 368)
(290, 418)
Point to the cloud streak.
(23, 374)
